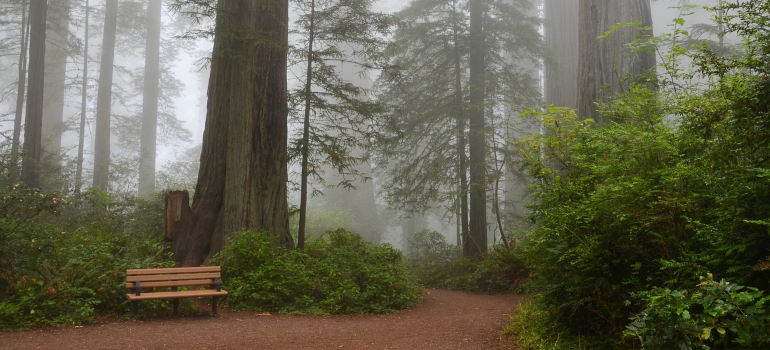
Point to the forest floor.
(444, 320)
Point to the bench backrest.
(173, 277)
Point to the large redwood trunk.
(56, 53)
(561, 36)
(104, 99)
(604, 64)
(243, 174)
(33, 122)
(151, 92)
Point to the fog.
(182, 113)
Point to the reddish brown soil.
(444, 320)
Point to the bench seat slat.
(172, 270)
(174, 277)
(201, 282)
(177, 295)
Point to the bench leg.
(176, 306)
(214, 306)
(134, 306)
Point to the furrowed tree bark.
(243, 173)
(33, 121)
(147, 149)
(56, 55)
(561, 36)
(476, 242)
(14, 170)
(104, 99)
(604, 64)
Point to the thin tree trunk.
(496, 195)
(104, 99)
(243, 172)
(83, 108)
(462, 191)
(477, 229)
(306, 133)
(20, 93)
(147, 150)
(57, 51)
(33, 122)
(607, 66)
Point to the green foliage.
(751, 21)
(62, 261)
(437, 264)
(607, 212)
(423, 137)
(534, 327)
(336, 274)
(341, 43)
(715, 315)
(673, 185)
(432, 260)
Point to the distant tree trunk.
(363, 205)
(462, 191)
(243, 173)
(104, 99)
(147, 150)
(476, 242)
(410, 226)
(33, 122)
(561, 36)
(14, 170)
(56, 53)
(83, 107)
(306, 132)
(604, 64)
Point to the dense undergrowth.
(63, 259)
(338, 273)
(634, 216)
(438, 264)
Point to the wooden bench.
(137, 279)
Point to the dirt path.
(445, 320)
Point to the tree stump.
(178, 226)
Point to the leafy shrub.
(501, 271)
(54, 272)
(642, 203)
(534, 327)
(431, 258)
(336, 274)
(437, 264)
(716, 315)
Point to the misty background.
(183, 85)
